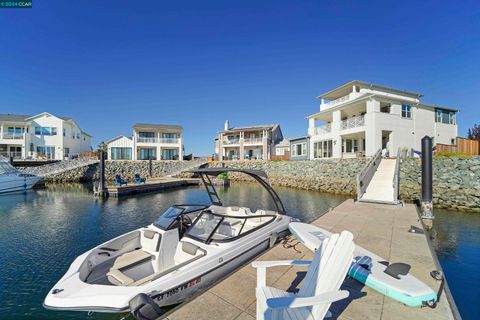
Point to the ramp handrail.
(366, 175)
(396, 177)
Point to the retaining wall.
(456, 182)
(333, 176)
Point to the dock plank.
(382, 229)
(151, 185)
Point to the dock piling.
(102, 190)
(426, 204)
(150, 166)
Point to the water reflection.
(457, 243)
(42, 231)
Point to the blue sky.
(110, 64)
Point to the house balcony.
(231, 141)
(12, 136)
(169, 140)
(8, 154)
(336, 101)
(253, 141)
(158, 140)
(354, 122)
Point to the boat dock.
(382, 229)
(151, 185)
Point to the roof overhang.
(345, 89)
(117, 138)
(148, 126)
(438, 107)
(341, 106)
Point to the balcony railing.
(157, 140)
(168, 140)
(253, 140)
(358, 121)
(12, 136)
(231, 141)
(339, 100)
(147, 140)
(323, 129)
(8, 154)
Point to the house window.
(445, 116)
(78, 135)
(46, 131)
(169, 135)
(350, 145)
(47, 152)
(299, 149)
(121, 153)
(15, 131)
(66, 152)
(147, 154)
(323, 149)
(146, 134)
(169, 154)
(64, 131)
(385, 108)
(406, 111)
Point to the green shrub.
(223, 176)
(444, 154)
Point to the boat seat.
(185, 254)
(131, 258)
(118, 278)
(150, 241)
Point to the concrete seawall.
(333, 176)
(456, 182)
(127, 169)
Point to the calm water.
(457, 243)
(43, 231)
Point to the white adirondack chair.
(319, 289)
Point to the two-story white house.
(42, 136)
(149, 141)
(358, 118)
(255, 142)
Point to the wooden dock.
(151, 185)
(382, 229)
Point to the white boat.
(390, 279)
(12, 180)
(186, 250)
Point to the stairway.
(380, 189)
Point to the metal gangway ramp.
(378, 182)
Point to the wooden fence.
(286, 156)
(462, 145)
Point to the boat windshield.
(168, 218)
(219, 228)
(6, 168)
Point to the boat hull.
(171, 290)
(194, 286)
(17, 183)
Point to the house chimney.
(227, 125)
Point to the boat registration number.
(178, 289)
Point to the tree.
(474, 133)
(102, 146)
